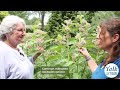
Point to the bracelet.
(88, 58)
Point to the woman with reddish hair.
(108, 39)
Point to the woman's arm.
(36, 55)
(91, 63)
(41, 50)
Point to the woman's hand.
(84, 51)
(41, 49)
(91, 63)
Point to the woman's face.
(104, 40)
(18, 34)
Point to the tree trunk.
(42, 19)
(42, 16)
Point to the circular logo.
(111, 70)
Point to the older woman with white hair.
(14, 64)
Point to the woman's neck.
(11, 44)
(109, 51)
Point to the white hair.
(8, 23)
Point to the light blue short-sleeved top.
(13, 65)
(99, 72)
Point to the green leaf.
(72, 41)
(57, 48)
(59, 37)
(72, 68)
(75, 76)
(48, 41)
(51, 58)
(53, 47)
(68, 63)
(59, 61)
(42, 57)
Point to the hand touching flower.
(84, 51)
